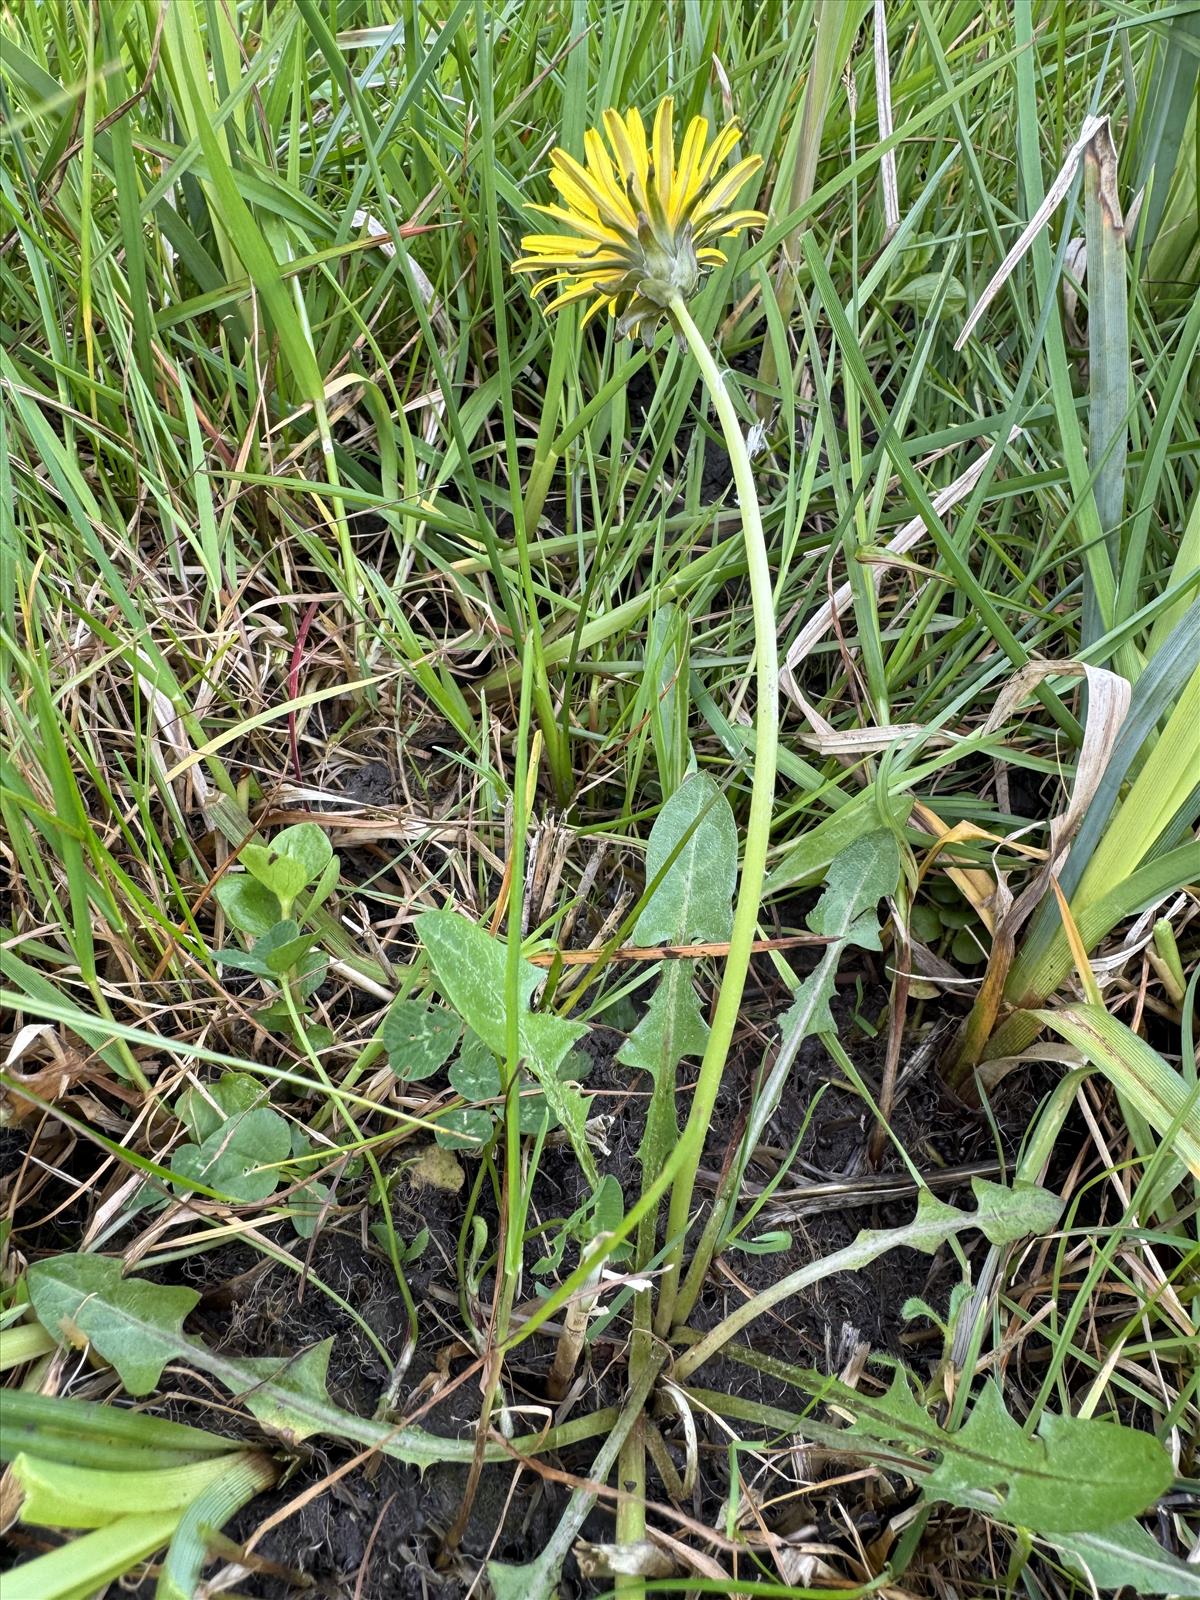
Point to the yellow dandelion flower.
(638, 227)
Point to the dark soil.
(378, 1531)
(383, 1506)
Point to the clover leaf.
(241, 1158)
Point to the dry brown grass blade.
(883, 91)
(1055, 195)
(1108, 703)
(671, 952)
(899, 544)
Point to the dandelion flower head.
(638, 227)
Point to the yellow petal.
(580, 291)
(579, 189)
(575, 197)
(686, 187)
(543, 284)
(717, 152)
(582, 225)
(574, 267)
(664, 151)
(546, 281)
(596, 306)
(572, 185)
(730, 222)
(632, 176)
(558, 244)
(718, 195)
(636, 130)
(604, 176)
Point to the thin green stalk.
(541, 1577)
(631, 1462)
(758, 827)
(510, 1069)
(509, 1259)
(836, 26)
(557, 743)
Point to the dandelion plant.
(639, 230)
